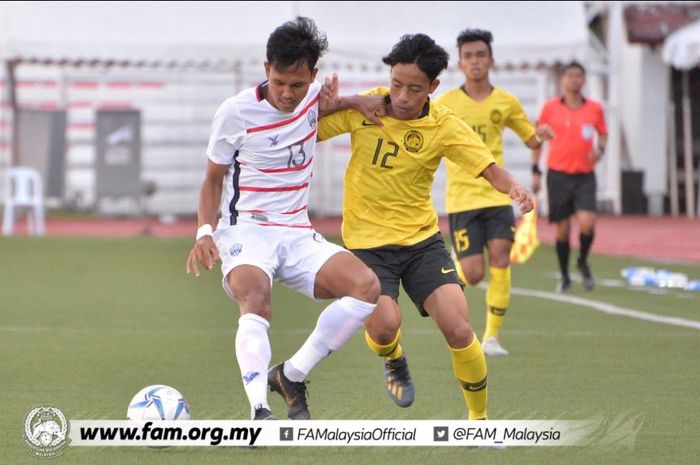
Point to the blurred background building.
(112, 101)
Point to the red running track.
(656, 238)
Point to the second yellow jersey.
(391, 170)
(487, 118)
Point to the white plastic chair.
(23, 189)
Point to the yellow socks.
(391, 351)
(469, 365)
(497, 300)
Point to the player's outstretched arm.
(204, 250)
(504, 182)
(543, 132)
(371, 106)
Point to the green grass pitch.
(86, 323)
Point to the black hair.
(421, 50)
(573, 64)
(296, 42)
(475, 35)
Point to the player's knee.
(256, 302)
(473, 275)
(366, 287)
(385, 333)
(459, 335)
(587, 228)
(500, 261)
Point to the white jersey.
(270, 154)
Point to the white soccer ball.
(158, 402)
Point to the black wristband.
(536, 169)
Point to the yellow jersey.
(390, 174)
(487, 118)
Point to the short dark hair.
(573, 64)
(475, 35)
(421, 50)
(295, 42)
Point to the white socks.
(253, 353)
(335, 326)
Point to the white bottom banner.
(395, 433)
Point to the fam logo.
(46, 431)
(413, 141)
(496, 116)
(311, 116)
(236, 249)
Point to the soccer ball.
(158, 402)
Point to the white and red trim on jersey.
(270, 154)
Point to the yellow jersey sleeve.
(519, 122)
(341, 122)
(463, 147)
(334, 124)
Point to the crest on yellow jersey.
(496, 116)
(413, 141)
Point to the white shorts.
(291, 256)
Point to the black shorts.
(471, 230)
(569, 193)
(421, 268)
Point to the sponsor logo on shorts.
(236, 249)
(445, 271)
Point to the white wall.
(177, 108)
(644, 117)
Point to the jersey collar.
(583, 100)
(259, 92)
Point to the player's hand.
(330, 99)
(371, 106)
(544, 132)
(523, 196)
(536, 182)
(204, 252)
(595, 155)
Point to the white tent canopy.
(682, 48)
(682, 51)
(212, 33)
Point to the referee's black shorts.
(421, 268)
(569, 193)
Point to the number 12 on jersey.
(386, 155)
